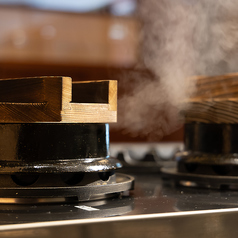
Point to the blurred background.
(86, 40)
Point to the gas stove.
(59, 176)
(153, 207)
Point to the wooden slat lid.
(57, 99)
(215, 100)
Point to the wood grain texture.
(100, 107)
(50, 99)
(215, 100)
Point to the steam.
(180, 39)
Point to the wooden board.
(215, 100)
(57, 99)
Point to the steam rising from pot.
(180, 39)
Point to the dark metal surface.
(55, 148)
(54, 162)
(211, 138)
(61, 166)
(115, 184)
(210, 149)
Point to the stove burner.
(99, 189)
(55, 148)
(48, 152)
(210, 158)
(58, 161)
(210, 149)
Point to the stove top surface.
(152, 208)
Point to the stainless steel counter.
(153, 209)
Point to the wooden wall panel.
(35, 36)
